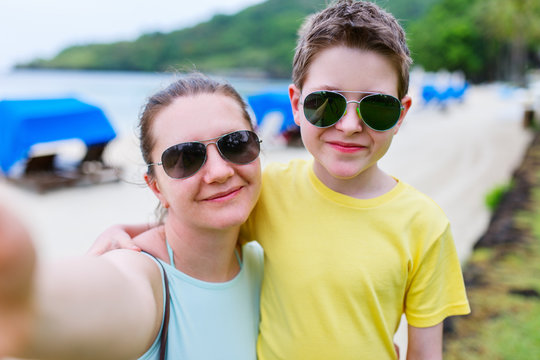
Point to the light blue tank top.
(214, 320)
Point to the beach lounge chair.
(25, 124)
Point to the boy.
(348, 248)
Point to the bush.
(495, 195)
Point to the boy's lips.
(346, 147)
(224, 195)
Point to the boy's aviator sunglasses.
(185, 159)
(325, 108)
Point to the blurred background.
(475, 84)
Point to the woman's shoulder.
(135, 265)
(253, 252)
(253, 248)
(153, 242)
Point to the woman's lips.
(224, 195)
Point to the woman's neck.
(205, 254)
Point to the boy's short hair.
(355, 24)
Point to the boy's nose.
(351, 121)
(216, 168)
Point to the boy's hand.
(17, 263)
(117, 237)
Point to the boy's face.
(349, 149)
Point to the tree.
(516, 24)
(448, 38)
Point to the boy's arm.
(118, 237)
(425, 343)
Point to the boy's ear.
(154, 186)
(294, 97)
(406, 102)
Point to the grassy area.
(503, 279)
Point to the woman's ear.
(294, 97)
(154, 186)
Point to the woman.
(203, 166)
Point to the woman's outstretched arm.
(106, 307)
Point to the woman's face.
(221, 194)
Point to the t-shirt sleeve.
(436, 289)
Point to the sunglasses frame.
(205, 143)
(347, 102)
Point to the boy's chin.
(341, 172)
(346, 171)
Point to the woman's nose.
(216, 168)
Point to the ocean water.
(119, 94)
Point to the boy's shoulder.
(413, 200)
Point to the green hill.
(260, 38)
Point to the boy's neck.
(370, 183)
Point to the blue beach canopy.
(24, 123)
(265, 103)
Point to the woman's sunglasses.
(325, 108)
(185, 159)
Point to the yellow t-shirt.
(339, 271)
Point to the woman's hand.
(17, 263)
(117, 237)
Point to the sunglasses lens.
(324, 108)
(239, 147)
(183, 160)
(380, 112)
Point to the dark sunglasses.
(185, 159)
(325, 108)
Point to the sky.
(41, 28)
